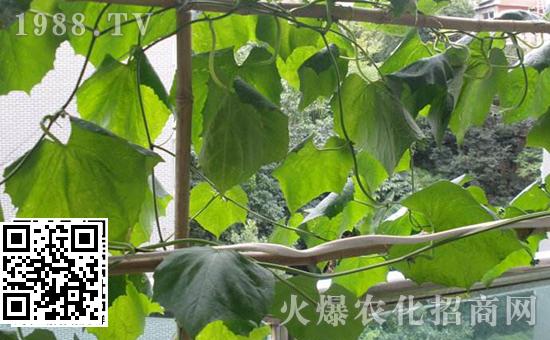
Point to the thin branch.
(343, 12)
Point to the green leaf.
(458, 208)
(110, 98)
(41, 334)
(255, 70)
(117, 43)
(290, 36)
(360, 283)
(25, 59)
(541, 101)
(95, 175)
(460, 263)
(409, 50)
(232, 31)
(141, 232)
(118, 283)
(127, 316)
(284, 236)
(310, 172)
(215, 213)
(289, 68)
(539, 136)
(10, 9)
(477, 95)
(532, 199)
(150, 78)
(375, 121)
(217, 330)
(200, 285)
(241, 132)
(463, 262)
(315, 328)
(318, 77)
(517, 96)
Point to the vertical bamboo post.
(184, 111)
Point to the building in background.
(488, 9)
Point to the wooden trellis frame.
(350, 247)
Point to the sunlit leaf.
(95, 175)
(308, 172)
(215, 213)
(127, 316)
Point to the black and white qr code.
(53, 272)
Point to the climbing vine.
(240, 63)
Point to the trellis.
(343, 248)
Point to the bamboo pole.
(184, 112)
(333, 250)
(349, 13)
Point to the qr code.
(53, 272)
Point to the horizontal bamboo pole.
(349, 13)
(333, 250)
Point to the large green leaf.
(360, 283)
(315, 328)
(117, 43)
(318, 74)
(127, 316)
(215, 213)
(308, 172)
(110, 98)
(231, 31)
(460, 263)
(532, 199)
(201, 285)
(25, 59)
(255, 70)
(289, 68)
(517, 96)
(290, 36)
(458, 208)
(95, 175)
(541, 101)
(476, 97)
(375, 120)
(242, 131)
(409, 50)
(463, 262)
(539, 135)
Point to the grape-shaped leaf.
(200, 285)
(539, 136)
(242, 131)
(516, 103)
(308, 172)
(215, 213)
(359, 283)
(463, 262)
(375, 120)
(95, 175)
(25, 59)
(127, 316)
(110, 98)
(409, 50)
(232, 31)
(477, 95)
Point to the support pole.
(184, 111)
